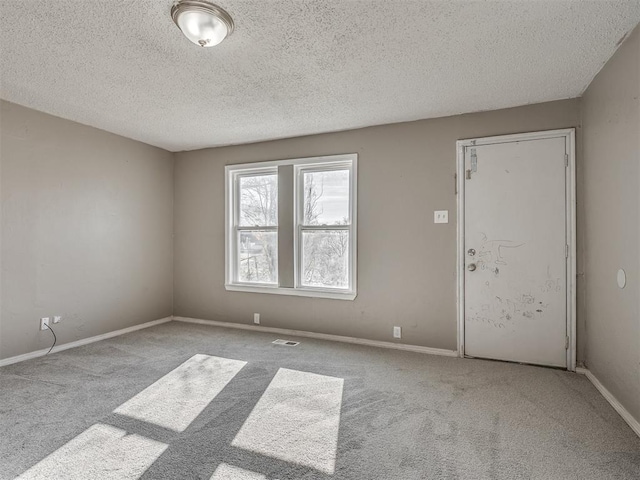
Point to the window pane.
(258, 257)
(259, 200)
(326, 198)
(325, 258)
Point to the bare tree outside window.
(259, 200)
(322, 229)
(325, 252)
(258, 247)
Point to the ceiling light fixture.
(202, 22)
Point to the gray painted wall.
(86, 230)
(611, 121)
(87, 223)
(87, 220)
(406, 264)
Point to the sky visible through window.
(330, 190)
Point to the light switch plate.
(441, 216)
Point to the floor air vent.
(288, 343)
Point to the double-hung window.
(291, 227)
(256, 227)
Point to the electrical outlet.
(441, 216)
(57, 319)
(397, 332)
(44, 323)
(256, 318)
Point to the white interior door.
(515, 251)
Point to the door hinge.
(566, 343)
(566, 251)
(566, 159)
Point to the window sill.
(296, 292)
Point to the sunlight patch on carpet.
(229, 472)
(176, 399)
(100, 452)
(296, 420)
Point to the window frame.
(236, 229)
(299, 227)
(232, 216)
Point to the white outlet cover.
(256, 318)
(44, 321)
(57, 319)
(397, 332)
(441, 216)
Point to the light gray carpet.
(402, 415)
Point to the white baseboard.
(323, 336)
(617, 406)
(78, 343)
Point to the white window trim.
(299, 227)
(233, 230)
(332, 162)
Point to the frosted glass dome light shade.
(203, 23)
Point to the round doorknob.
(471, 267)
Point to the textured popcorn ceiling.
(296, 67)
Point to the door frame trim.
(569, 134)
